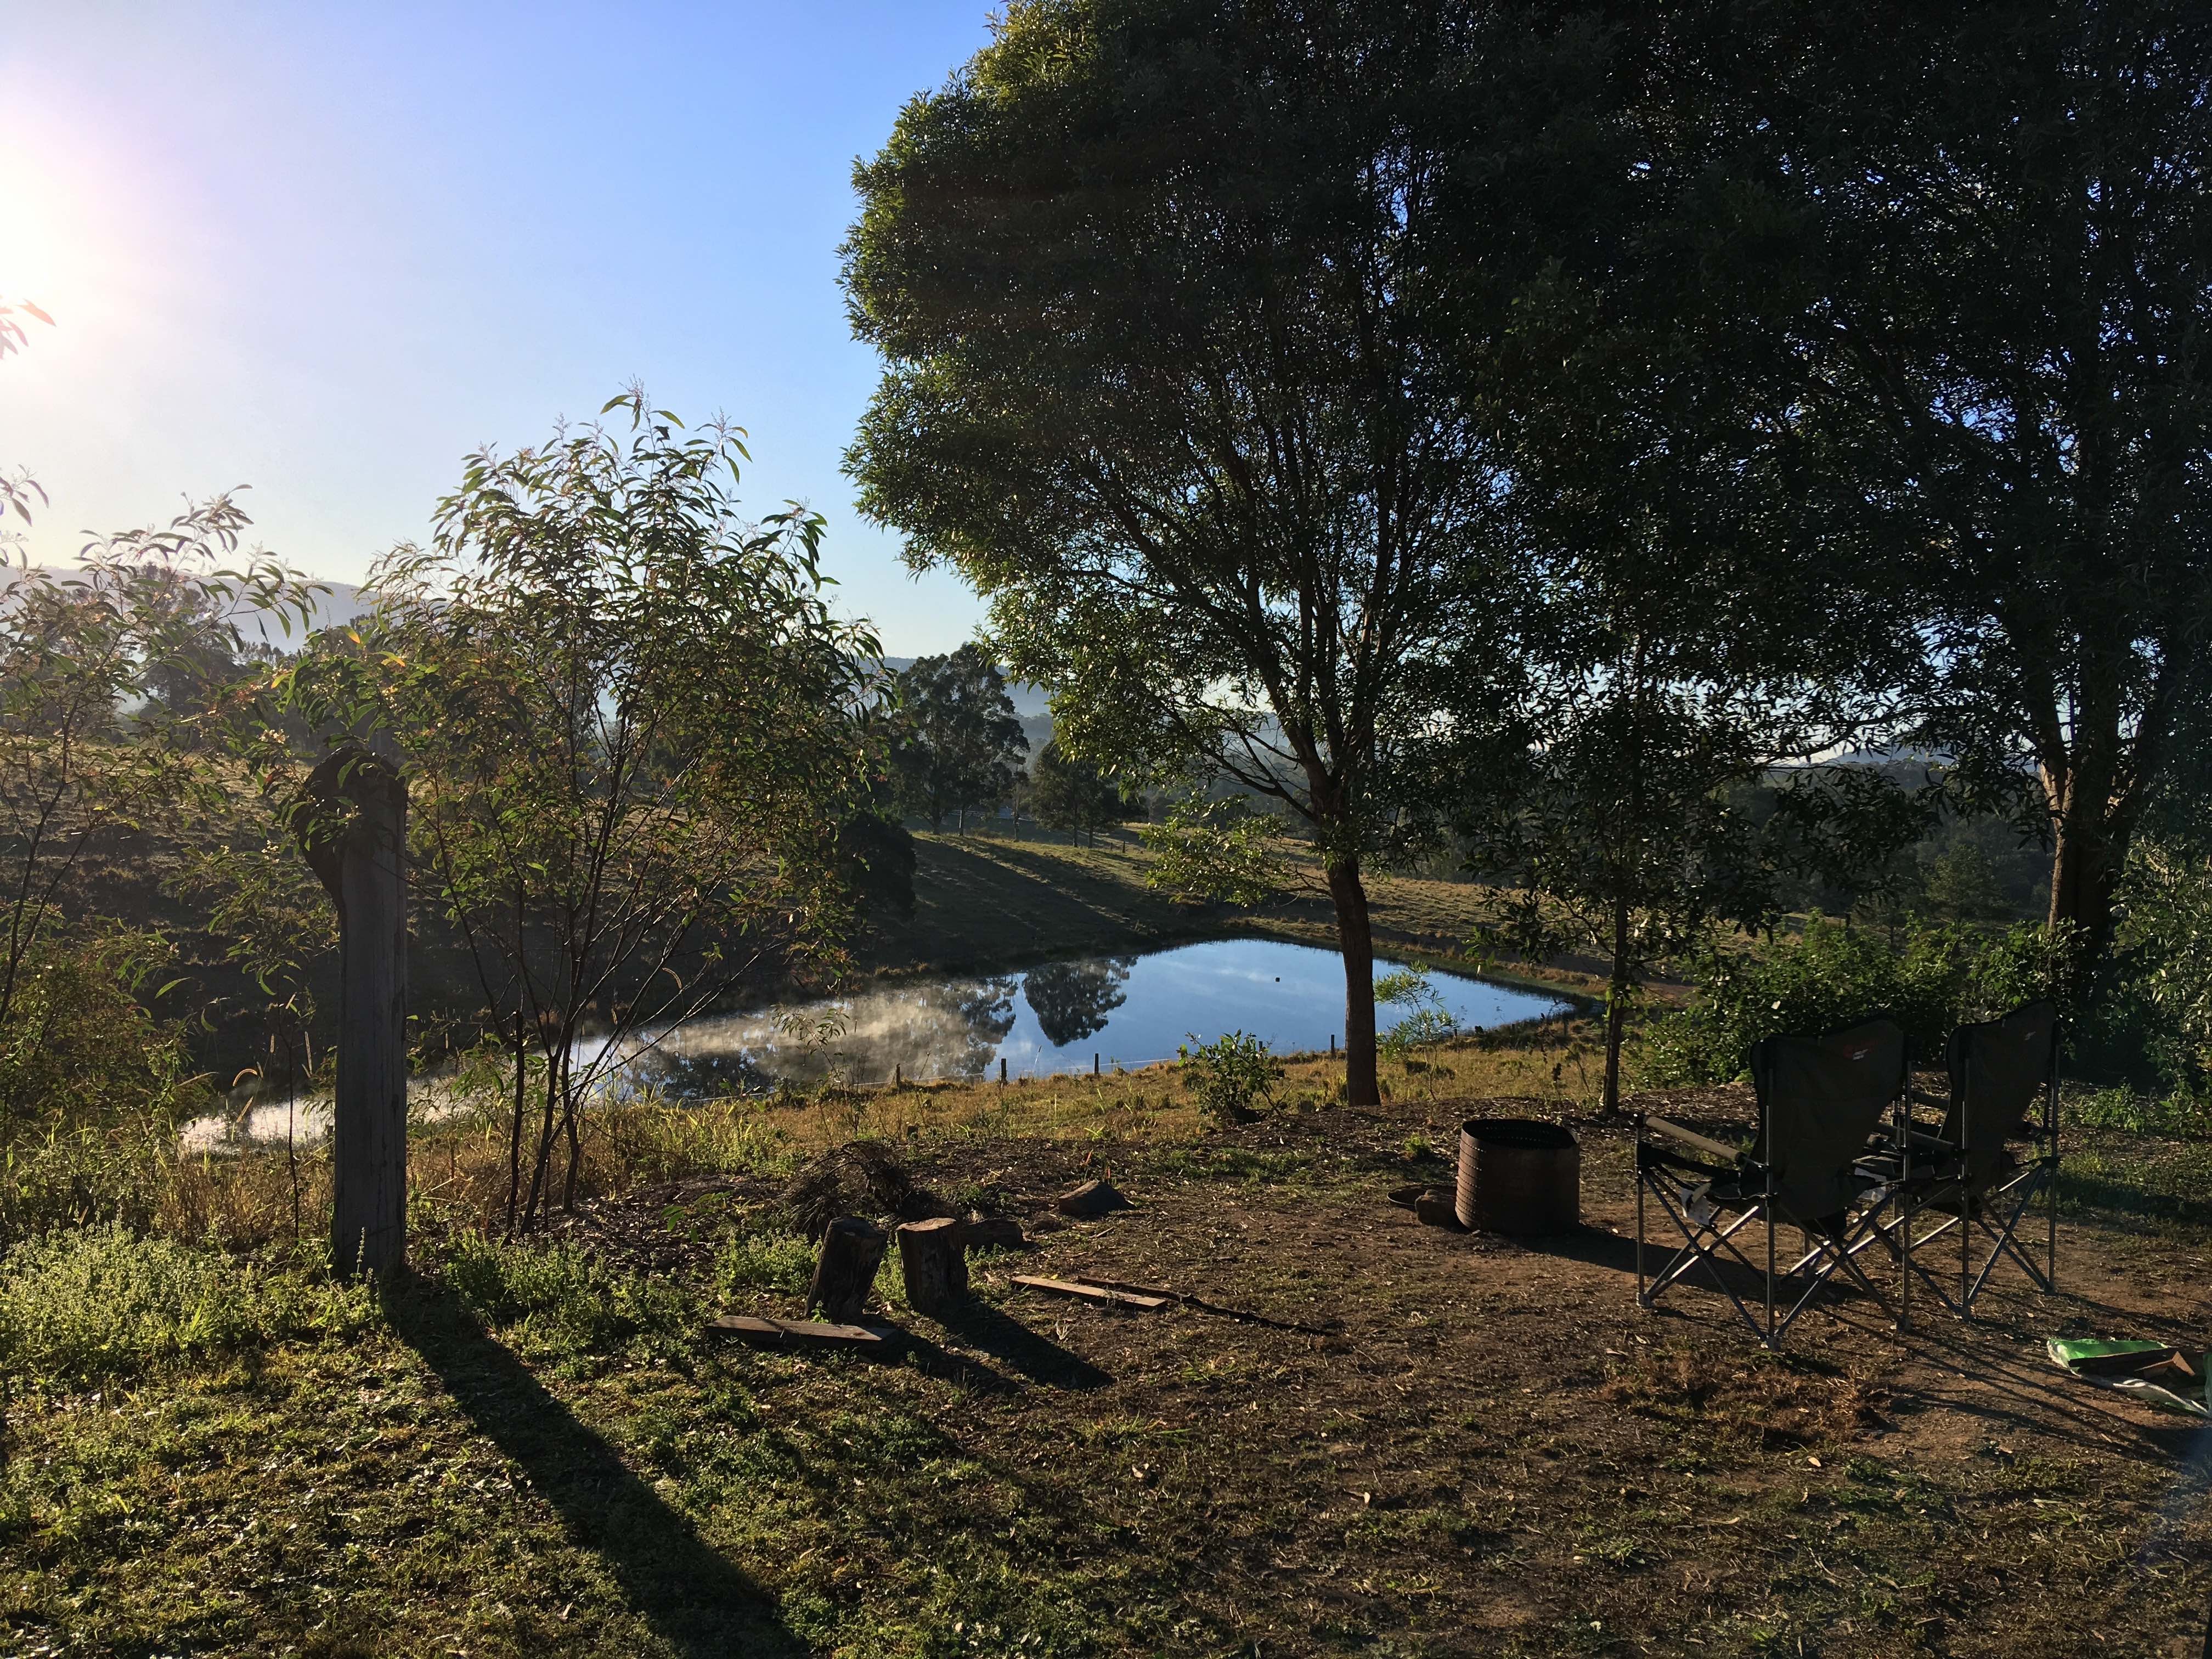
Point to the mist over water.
(1119, 1010)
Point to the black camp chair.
(1821, 1103)
(2004, 1089)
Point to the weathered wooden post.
(352, 826)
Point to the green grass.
(534, 1449)
(538, 1448)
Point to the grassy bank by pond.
(991, 900)
(539, 1447)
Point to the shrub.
(2158, 988)
(1832, 975)
(1425, 1022)
(103, 1303)
(1230, 1073)
(504, 1281)
(559, 1293)
(2181, 1117)
(80, 1047)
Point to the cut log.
(933, 1257)
(991, 1232)
(1097, 1293)
(798, 1333)
(852, 1250)
(1092, 1198)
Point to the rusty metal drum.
(1519, 1175)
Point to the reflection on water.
(250, 1118)
(1062, 1017)
(1071, 999)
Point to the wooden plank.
(1198, 1305)
(1092, 1292)
(778, 1333)
(1690, 1138)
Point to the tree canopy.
(956, 740)
(2003, 260)
(1173, 376)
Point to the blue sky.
(324, 251)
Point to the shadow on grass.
(1014, 1345)
(2080, 1193)
(695, 1600)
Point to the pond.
(1126, 1011)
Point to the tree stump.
(351, 822)
(852, 1250)
(1092, 1199)
(933, 1257)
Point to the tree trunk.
(852, 1250)
(1616, 1005)
(514, 1137)
(2088, 848)
(1355, 936)
(353, 828)
(933, 1258)
(570, 1129)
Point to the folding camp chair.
(1821, 1103)
(2004, 1088)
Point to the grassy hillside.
(995, 900)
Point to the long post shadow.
(695, 1599)
(1013, 1344)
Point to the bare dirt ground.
(1495, 1451)
(543, 1448)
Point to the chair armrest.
(1710, 1147)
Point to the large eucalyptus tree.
(1176, 375)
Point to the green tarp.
(2157, 1373)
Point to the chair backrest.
(1820, 1100)
(1999, 1071)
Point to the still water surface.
(1061, 1016)
(1124, 1010)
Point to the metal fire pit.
(1519, 1175)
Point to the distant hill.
(340, 602)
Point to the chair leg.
(1904, 1272)
(2004, 1237)
(2052, 1283)
(1768, 1337)
(1702, 1241)
(1639, 1220)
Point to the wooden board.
(781, 1333)
(1092, 1292)
(1201, 1305)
